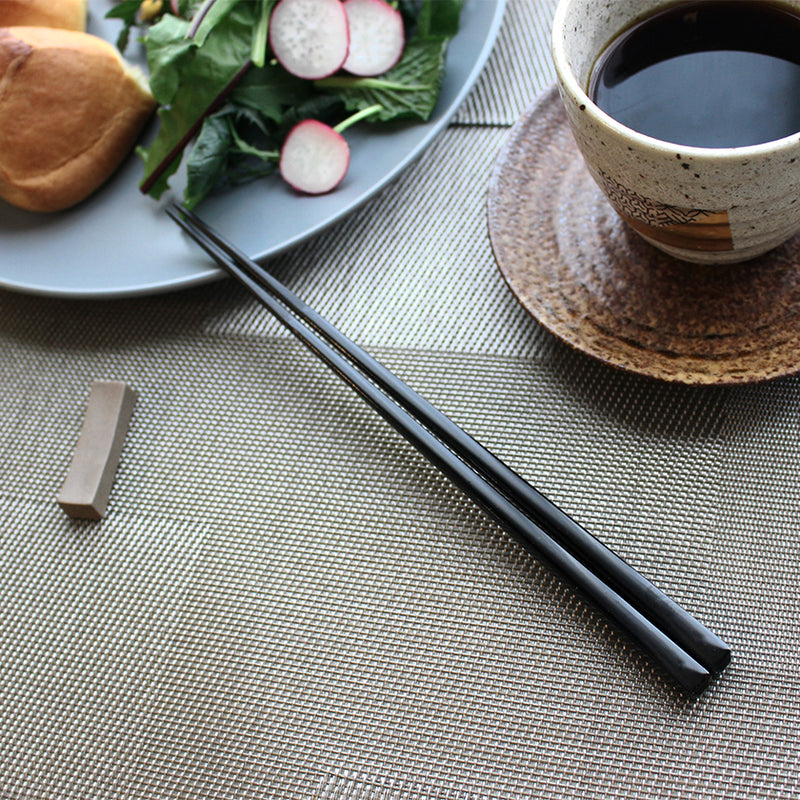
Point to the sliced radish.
(377, 37)
(314, 157)
(310, 38)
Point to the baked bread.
(71, 110)
(69, 14)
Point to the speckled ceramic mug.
(708, 205)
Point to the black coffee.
(707, 74)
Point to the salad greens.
(226, 103)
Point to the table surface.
(285, 600)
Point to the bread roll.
(69, 14)
(71, 110)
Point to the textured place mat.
(588, 278)
(519, 69)
(286, 601)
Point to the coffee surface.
(705, 74)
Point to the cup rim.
(571, 85)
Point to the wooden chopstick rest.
(87, 487)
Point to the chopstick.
(684, 648)
(708, 649)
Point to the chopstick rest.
(87, 486)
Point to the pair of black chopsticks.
(682, 646)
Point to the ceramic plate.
(588, 278)
(119, 243)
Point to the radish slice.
(310, 38)
(314, 157)
(377, 37)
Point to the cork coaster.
(593, 282)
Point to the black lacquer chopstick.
(707, 648)
(673, 658)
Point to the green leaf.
(226, 61)
(169, 54)
(270, 90)
(216, 13)
(409, 90)
(250, 150)
(324, 107)
(124, 9)
(256, 126)
(223, 156)
(258, 53)
(127, 11)
(206, 164)
(170, 132)
(438, 18)
(204, 75)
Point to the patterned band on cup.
(687, 228)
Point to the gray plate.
(120, 243)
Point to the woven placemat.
(285, 600)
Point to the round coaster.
(587, 277)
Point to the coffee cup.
(703, 204)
